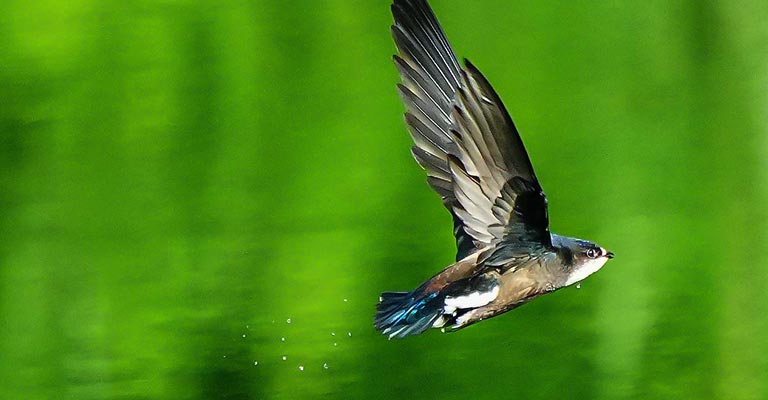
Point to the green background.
(178, 179)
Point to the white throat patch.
(585, 270)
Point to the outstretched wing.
(465, 139)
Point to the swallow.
(474, 158)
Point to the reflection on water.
(205, 200)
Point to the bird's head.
(581, 258)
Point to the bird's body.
(475, 160)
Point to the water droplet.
(288, 321)
(333, 333)
(335, 344)
(285, 358)
(349, 334)
(301, 368)
(282, 339)
(255, 363)
(225, 357)
(243, 334)
(325, 365)
(578, 285)
(345, 300)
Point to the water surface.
(179, 179)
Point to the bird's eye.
(593, 253)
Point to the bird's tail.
(400, 314)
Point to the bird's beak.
(608, 254)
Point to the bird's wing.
(430, 77)
(465, 139)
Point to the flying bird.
(475, 160)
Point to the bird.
(465, 140)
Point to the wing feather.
(463, 137)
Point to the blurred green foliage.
(178, 179)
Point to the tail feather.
(400, 314)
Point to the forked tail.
(400, 314)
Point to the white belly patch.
(472, 300)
